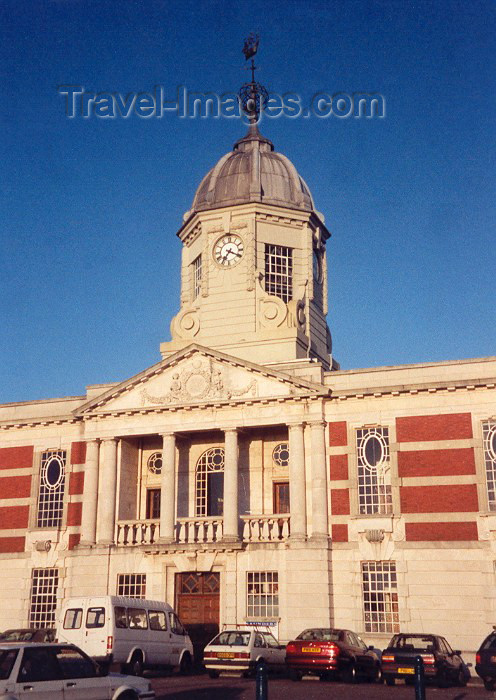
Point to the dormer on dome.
(252, 172)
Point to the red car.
(331, 652)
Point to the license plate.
(406, 670)
(311, 650)
(225, 655)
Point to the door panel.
(198, 605)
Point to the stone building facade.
(245, 477)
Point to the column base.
(86, 544)
(230, 539)
(167, 540)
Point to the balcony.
(204, 530)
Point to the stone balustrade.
(204, 530)
(135, 532)
(265, 528)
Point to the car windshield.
(231, 639)
(321, 635)
(413, 642)
(18, 635)
(490, 642)
(7, 660)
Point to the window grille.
(380, 596)
(262, 590)
(131, 585)
(44, 584)
(489, 441)
(280, 454)
(279, 271)
(197, 276)
(374, 473)
(51, 491)
(209, 482)
(154, 463)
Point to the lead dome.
(252, 172)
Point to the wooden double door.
(198, 606)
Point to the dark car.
(329, 652)
(28, 635)
(442, 665)
(485, 661)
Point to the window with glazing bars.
(262, 589)
(380, 596)
(489, 441)
(374, 473)
(197, 276)
(210, 482)
(131, 585)
(279, 271)
(51, 490)
(44, 583)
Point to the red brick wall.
(338, 466)
(12, 544)
(339, 533)
(76, 483)
(450, 426)
(16, 457)
(74, 541)
(12, 517)
(78, 453)
(15, 486)
(337, 434)
(436, 462)
(439, 499)
(340, 502)
(74, 512)
(441, 531)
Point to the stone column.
(168, 489)
(320, 525)
(231, 533)
(297, 485)
(90, 493)
(107, 492)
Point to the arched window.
(210, 482)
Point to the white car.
(62, 672)
(240, 650)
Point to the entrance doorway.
(198, 606)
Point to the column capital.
(295, 424)
(109, 439)
(168, 434)
(230, 429)
(92, 439)
(317, 423)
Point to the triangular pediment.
(199, 376)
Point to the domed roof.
(252, 172)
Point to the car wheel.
(213, 674)
(129, 695)
(489, 684)
(409, 681)
(390, 680)
(378, 674)
(349, 675)
(186, 665)
(461, 679)
(295, 675)
(443, 681)
(135, 667)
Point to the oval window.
(53, 473)
(492, 443)
(373, 451)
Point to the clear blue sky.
(90, 207)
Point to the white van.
(132, 632)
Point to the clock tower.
(254, 263)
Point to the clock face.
(228, 250)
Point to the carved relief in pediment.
(200, 381)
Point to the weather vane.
(253, 96)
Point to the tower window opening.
(197, 276)
(279, 271)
